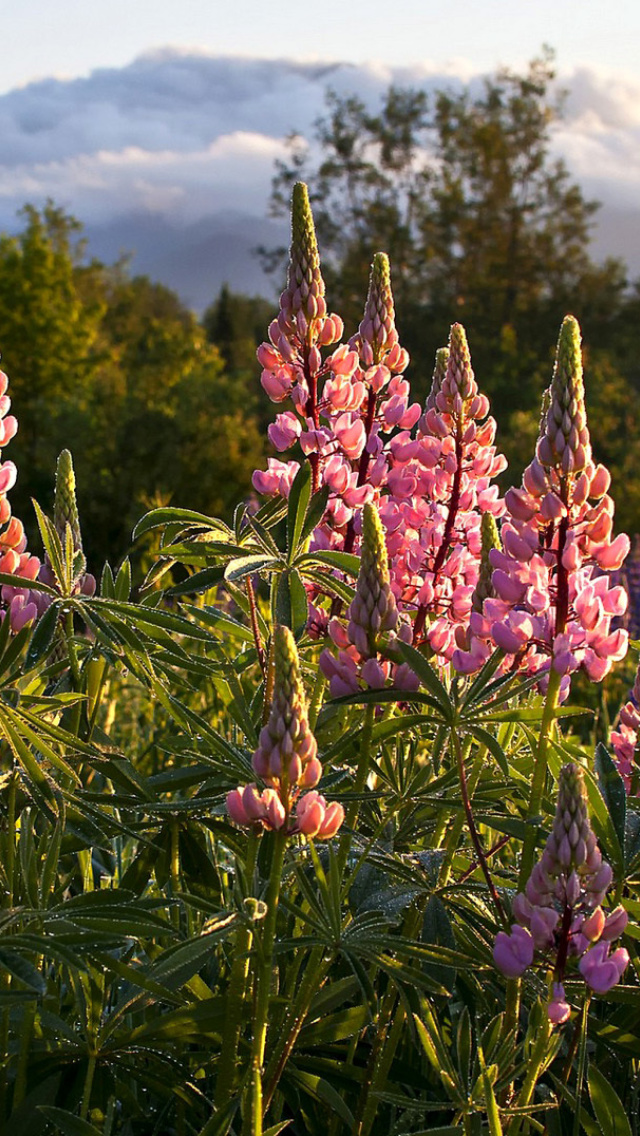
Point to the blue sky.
(71, 37)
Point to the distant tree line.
(481, 226)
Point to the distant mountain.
(194, 260)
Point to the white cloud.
(185, 135)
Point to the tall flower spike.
(565, 443)
(490, 540)
(377, 334)
(373, 608)
(560, 913)
(305, 287)
(439, 372)
(286, 758)
(287, 750)
(65, 509)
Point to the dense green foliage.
(123, 367)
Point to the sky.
(157, 123)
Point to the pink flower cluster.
(438, 487)
(624, 739)
(342, 404)
(560, 914)
(286, 760)
(553, 602)
(352, 417)
(14, 559)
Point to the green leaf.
(343, 561)
(292, 607)
(15, 581)
(67, 1122)
(428, 676)
(122, 589)
(243, 566)
(612, 789)
(315, 513)
(160, 517)
(42, 637)
(607, 1105)
(299, 498)
(199, 582)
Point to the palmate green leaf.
(146, 618)
(67, 1122)
(38, 783)
(607, 1105)
(437, 1053)
(187, 518)
(334, 1027)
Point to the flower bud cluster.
(19, 602)
(286, 760)
(554, 603)
(560, 914)
(65, 516)
(371, 614)
(624, 739)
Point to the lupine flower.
(286, 760)
(439, 485)
(554, 603)
(14, 559)
(371, 614)
(624, 739)
(560, 914)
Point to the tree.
(120, 372)
(481, 225)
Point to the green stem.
(457, 827)
(316, 698)
(582, 1060)
(10, 860)
(539, 777)
(315, 973)
(534, 1068)
(235, 999)
(175, 871)
(264, 976)
(88, 1085)
(362, 772)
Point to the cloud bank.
(171, 157)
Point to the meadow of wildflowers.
(310, 833)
